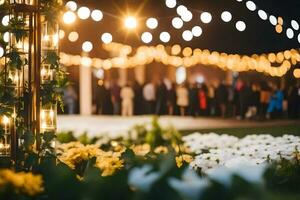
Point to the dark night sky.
(259, 36)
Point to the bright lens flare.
(130, 22)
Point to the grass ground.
(274, 130)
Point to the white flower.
(191, 186)
(141, 179)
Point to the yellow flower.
(26, 183)
(141, 150)
(183, 158)
(161, 150)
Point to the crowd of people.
(241, 100)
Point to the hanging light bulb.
(187, 35)
(290, 33)
(83, 13)
(164, 37)
(97, 15)
(152, 23)
(177, 23)
(240, 26)
(171, 3)
(197, 31)
(226, 16)
(206, 17)
(146, 37)
(262, 14)
(106, 38)
(71, 5)
(87, 46)
(251, 5)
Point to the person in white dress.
(182, 99)
(127, 95)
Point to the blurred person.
(70, 98)
(161, 99)
(115, 91)
(202, 100)
(265, 95)
(149, 98)
(254, 102)
(245, 99)
(211, 100)
(222, 97)
(294, 101)
(236, 98)
(193, 100)
(276, 102)
(171, 102)
(230, 101)
(127, 95)
(138, 98)
(182, 99)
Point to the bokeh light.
(240, 26)
(152, 23)
(177, 23)
(73, 36)
(71, 5)
(5, 20)
(197, 31)
(130, 22)
(295, 25)
(187, 35)
(106, 38)
(146, 37)
(181, 10)
(290, 33)
(97, 15)
(226, 16)
(251, 5)
(187, 16)
(206, 17)
(83, 13)
(171, 3)
(273, 20)
(296, 73)
(1, 51)
(262, 14)
(164, 37)
(87, 46)
(69, 17)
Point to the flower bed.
(156, 163)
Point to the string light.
(240, 26)
(295, 25)
(278, 28)
(84, 13)
(146, 37)
(171, 3)
(87, 46)
(164, 37)
(273, 20)
(206, 17)
(181, 10)
(187, 35)
(272, 64)
(73, 36)
(251, 5)
(197, 31)
(262, 14)
(296, 73)
(226, 16)
(152, 23)
(71, 5)
(97, 15)
(177, 23)
(290, 33)
(69, 17)
(130, 22)
(106, 38)
(187, 16)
